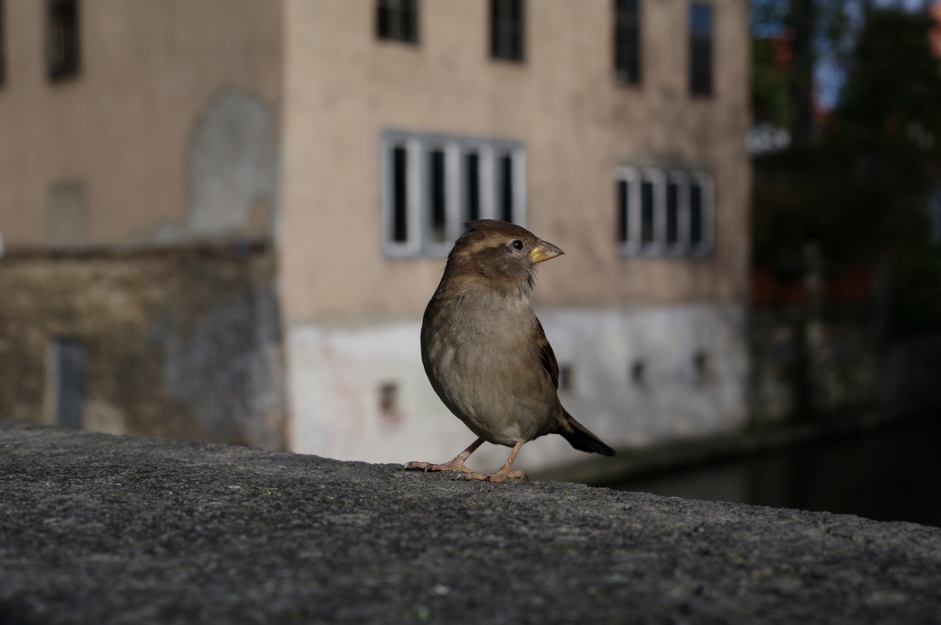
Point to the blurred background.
(221, 220)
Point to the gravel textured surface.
(103, 529)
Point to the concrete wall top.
(344, 88)
(128, 530)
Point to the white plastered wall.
(336, 372)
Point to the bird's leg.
(455, 465)
(504, 471)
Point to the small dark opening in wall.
(701, 367)
(389, 410)
(566, 378)
(638, 372)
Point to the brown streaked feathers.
(485, 352)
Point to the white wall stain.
(231, 171)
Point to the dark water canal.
(890, 474)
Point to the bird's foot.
(427, 466)
(496, 478)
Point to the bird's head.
(503, 253)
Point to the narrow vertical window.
(472, 186)
(506, 30)
(700, 48)
(399, 181)
(627, 41)
(624, 210)
(62, 50)
(3, 63)
(397, 20)
(673, 212)
(438, 197)
(695, 215)
(646, 212)
(506, 188)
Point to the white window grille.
(432, 184)
(664, 212)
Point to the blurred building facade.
(223, 219)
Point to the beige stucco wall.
(149, 68)
(343, 87)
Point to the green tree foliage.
(893, 86)
(771, 98)
(790, 38)
(860, 191)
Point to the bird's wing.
(547, 356)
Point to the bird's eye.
(518, 244)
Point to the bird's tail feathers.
(582, 439)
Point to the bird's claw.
(427, 466)
(495, 478)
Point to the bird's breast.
(477, 357)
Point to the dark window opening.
(646, 213)
(3, 64)
(506, 188)
(623, 210)
(700, 34)
(63, 39)
(472, 185)
(399, 195)
(566, 378)
(397, 20)
(673, 213)
(695, 215)
(506, 29)
(627, 41)
(438, 215)
(70, 363)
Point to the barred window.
(507, 29)
(700, 49)
(664, 212)
(627, 41)
(397, 20)
(431, 185)
(63, 45)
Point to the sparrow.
(486, 353)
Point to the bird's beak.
(544, 251)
